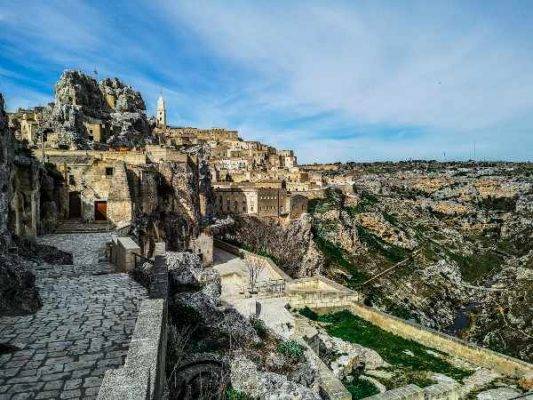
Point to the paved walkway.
(83, 328)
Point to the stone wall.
(483, 357)
(479, 356)
(143, 375)
(440, 391)
(254, 258)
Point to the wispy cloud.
(335, 80)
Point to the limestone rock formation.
(18, 294)
(291, 246)
(345, 357)
(449, 245)
(246, 378)
(6, 167)
(195, 297)
(115, 111)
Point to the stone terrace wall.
(439, 391)
(477, 355)
(252, 257)
(143, 376)
(501, 363)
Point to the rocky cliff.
(18, 294)
(452, 242)
(82, 102)
(291, 246)
(6, 168)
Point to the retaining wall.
(477, 355)
(501, 363)
(439, 391)
(143, 375)
(252, 257)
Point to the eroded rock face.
(246, 378)
(6, 166)
(456, 237)
(345, 357)
(118, 109)
(292, 246)
(195, 293)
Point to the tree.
(254, 270)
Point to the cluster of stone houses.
(108, 185)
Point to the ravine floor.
(83, 328)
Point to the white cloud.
(375, 65)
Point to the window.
(109, 171)
(71, 180)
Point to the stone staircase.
(78, 226)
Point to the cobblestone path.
(83, 328)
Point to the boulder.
(498, 394)
(246, 378)
(18, 293)
(344, 356)
(223, 325)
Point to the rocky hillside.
(447, 245)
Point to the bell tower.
(161, 115)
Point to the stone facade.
(258, 200)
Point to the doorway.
(100, 210)
(74, 205)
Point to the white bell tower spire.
(161, 116)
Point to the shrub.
(360, 389)
(308, 313)
(232, 394)
(291, 349)
(259, 326)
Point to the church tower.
(161, 116)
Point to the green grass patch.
(291, 349)
(391, 252)
(360, 388)
(335, 256)
(392, 348)
(477, 267)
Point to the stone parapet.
(143, 376)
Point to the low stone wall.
(439, 391)
(409, 392)
(143, 375)
(252, 257)
(312, 299)
(477, 355)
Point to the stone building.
(265, 199)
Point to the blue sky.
(345, 80)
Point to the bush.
(259, 326)
(232, 394)
(360, 389)
(291, 349)
(308, 313)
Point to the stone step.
(77, 226)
